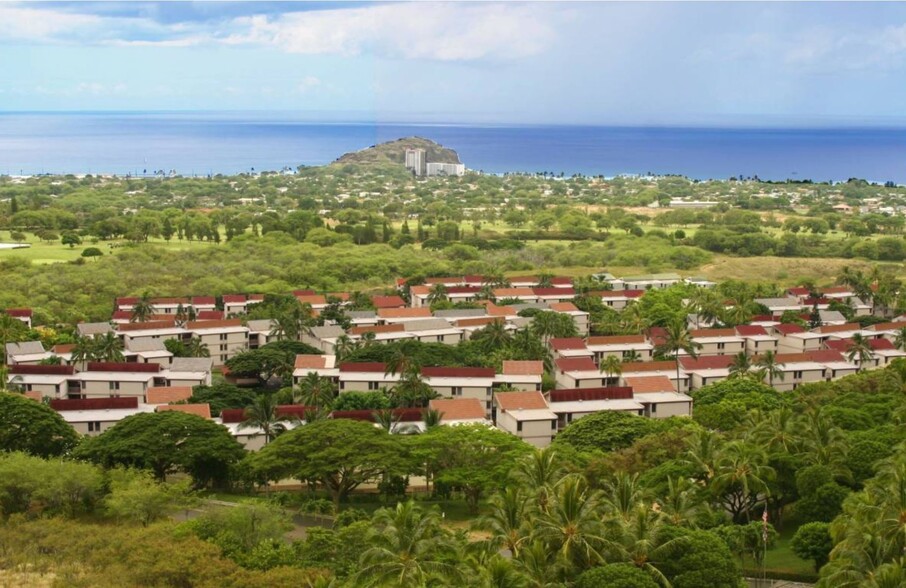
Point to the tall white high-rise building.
(416, 162)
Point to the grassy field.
(43, 252)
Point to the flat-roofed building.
(91, 417)
(718, 341)
(579, 372)
(323, 365)
(365, 377)
(658, 396)
(570, 405)
(757, 340)
(460, 411)
(525, 415)
(624, 347)
(705, 370)
(521, 375)
(665, 368)
(223, 339)
(461, 382)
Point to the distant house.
(460, 411)
(718, 341)
(624, 347)
(93, 416)
(22, 314)
(461, 382)
(570, 405)
(521, 375)
(527, 416)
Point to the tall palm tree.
(677, 339)
(412, 390)
(315, 390)
(739, 314)
(572, 528)
(633, 319)
(900, 340)
(742, 477)
(641, 542)
(437, 294)
(142, 310)
(84, 350)
(682, 503)
(540, 472)
(706, 305)
(263, 414)
(108, 347)
(493, 336)
(622, 494)
(344, 347)
(195, 348)
(612, 366)
(741, 365)
(409, 548)
(859, 351)
(507, 520)
(768, 362)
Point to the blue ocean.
(205, 143)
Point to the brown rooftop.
(523, 368)
(167, 394)
(649, 384)
(520, 400)
(202, 410)
(458, 409)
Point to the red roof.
(606, 393)
(94, 403)
(563, 307)
(303, 292)
(463, 289)
(388, 301)
(42, 370)
(458, 409)
(121, 366)
(620, 293)
(710, 362)
(19, 312)
(617, 340)
(209, 315)
(565, 292)
(750, 330)
(207, 300)
(370, 366)
(202, 410)
(567, 343)
(520, 400)
(649, 366)
(576, 364)
(787, 329)
(843, 345)
(839, 328)
(798, 291)
(523, 367)
(167, 394)
(649, 384)
(310, 362)
(233, 298)
(458, 372)
(237, 415)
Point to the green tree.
(315, 390)
(143, 309)
(605, 431)
(340, 454)
(167, 442)
(768, 362)
(34, 428)
(409, 548)
(677, 339)
(812, 541)
(71, 238)
(859, 351)
(136, 496)
(612, 366)
(615, 575)
(262, 414)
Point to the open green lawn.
(43, 252)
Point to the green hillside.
(395, 152)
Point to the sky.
(676, 63)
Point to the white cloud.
(35, 24)
(431, 31)
(308, 83)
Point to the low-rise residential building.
(572, 404)
(26, 353)
(22, 314)
(569, 347)
(323, 365)
(365, 377)
(658, 396)
(579, 372)
(50, 381)
(666, 368)
(223, 339)
(757, 340)
(718, 341)
(156, 395)
(704, 370)
(792, 338)
(618, 299)
(460, 411)
(521, 375)
(188, 371)
(525, 415)
(580, 317)
(93, 416)
(109, 379)
(624, 347)
(461, 382)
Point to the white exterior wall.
(102, 389)
(537, 433)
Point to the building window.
(797, 375)
(114, 385)
(223, 347)
(553, 425)
(519, 426)
(342, 385)
(223, 336)
(653, 408)
(94, 427)
(456, 390)
(721, 345)
(374, 385)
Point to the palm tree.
(572, 528)
(622, 495)
(412, 391)
(263, 414)
(612, 366)
(633, 319)
(548, 324)
(768, 362)
(742, 477)
(11, 330)
(706, 305)
(493, 336)
(541, 472)
(676, 339)
(741, 365)
(682, 503)
(900, 340)
(108, 347)
(142, 310)
(507, 521)
(195, 348)
(545, 280)
(315, 390)
(432, 418)
(84, 350)
(642, 542)
(437, 294)
(859, 351)
(631, 356)
(703, 453)
(409, 548)
(739, 314)
(344, 347)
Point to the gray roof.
(327, 332)
(457, 313)
(520, 322)
(432, 324)
(831, 316)
(86, 329)
(145, 344)
(24, 348)
(361, 314)
(260, 325)
(191, 364)
(787, 301)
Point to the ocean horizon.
(199, 144)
